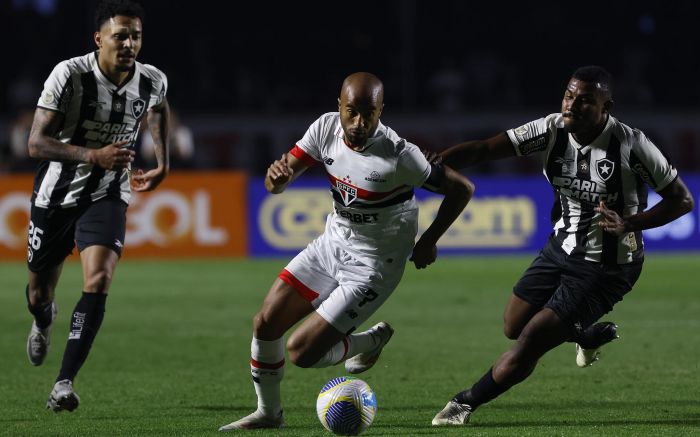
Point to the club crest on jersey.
(605, 168)
(347, 192)
(137, 107)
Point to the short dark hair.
(595, 74)
(111, 8)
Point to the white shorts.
(344, 291)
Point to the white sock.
(267, 368)
(351, 345)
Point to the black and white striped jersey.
(613, 169)
(96, 113)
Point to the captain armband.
(436, 178)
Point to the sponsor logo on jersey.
(565, 164)
(328, 161)
(375, 177)
(588, 191)
(644, 174)
(605, 168)
(96, 104)
(347, 192)
(107, 133)
(137, 107)
(357, 217)
(533, 145)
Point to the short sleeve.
(58, 89)
(159, 89)
(649, 163)
(531, 137)
(313, 139)
(412, 168)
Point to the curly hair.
(110, 8)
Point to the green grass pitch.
(172, 356)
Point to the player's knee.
(299, 354)
(511, 331)
(99, 281)
(264, 327)
(40, 294)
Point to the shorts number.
(34, 238)
(370, 295)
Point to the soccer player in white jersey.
(600, 169)
(345, 274)
(84, 131)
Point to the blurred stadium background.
(246, 80)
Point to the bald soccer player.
(349, 271)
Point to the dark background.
(274, 64)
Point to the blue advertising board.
(507, 215)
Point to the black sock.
(484, 390)
(40, 311)
(85, 322)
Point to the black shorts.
(579, 291)
(53, 233)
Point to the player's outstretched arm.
(43, 145)
(676, 201)
(473, 152)
(158, 118)
(282, 172)
(458, 190)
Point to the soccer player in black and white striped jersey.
(600, 169)
(84, 130)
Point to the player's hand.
(147, 181)
(432, 157)
(280, 173)
(610, 221)
(424, 253)
(112, 156)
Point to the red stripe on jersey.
(302, 156)
(302, 289)
(260, 365)
(365, 194)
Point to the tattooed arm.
(158, 118)
(43, 145)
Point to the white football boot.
(39, 340)
(257, 420)
(364, 361)
(454, 413)
(63, 397)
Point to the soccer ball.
(346, 406)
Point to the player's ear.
(338, 103)
(98, 39)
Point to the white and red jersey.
(375, 215)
